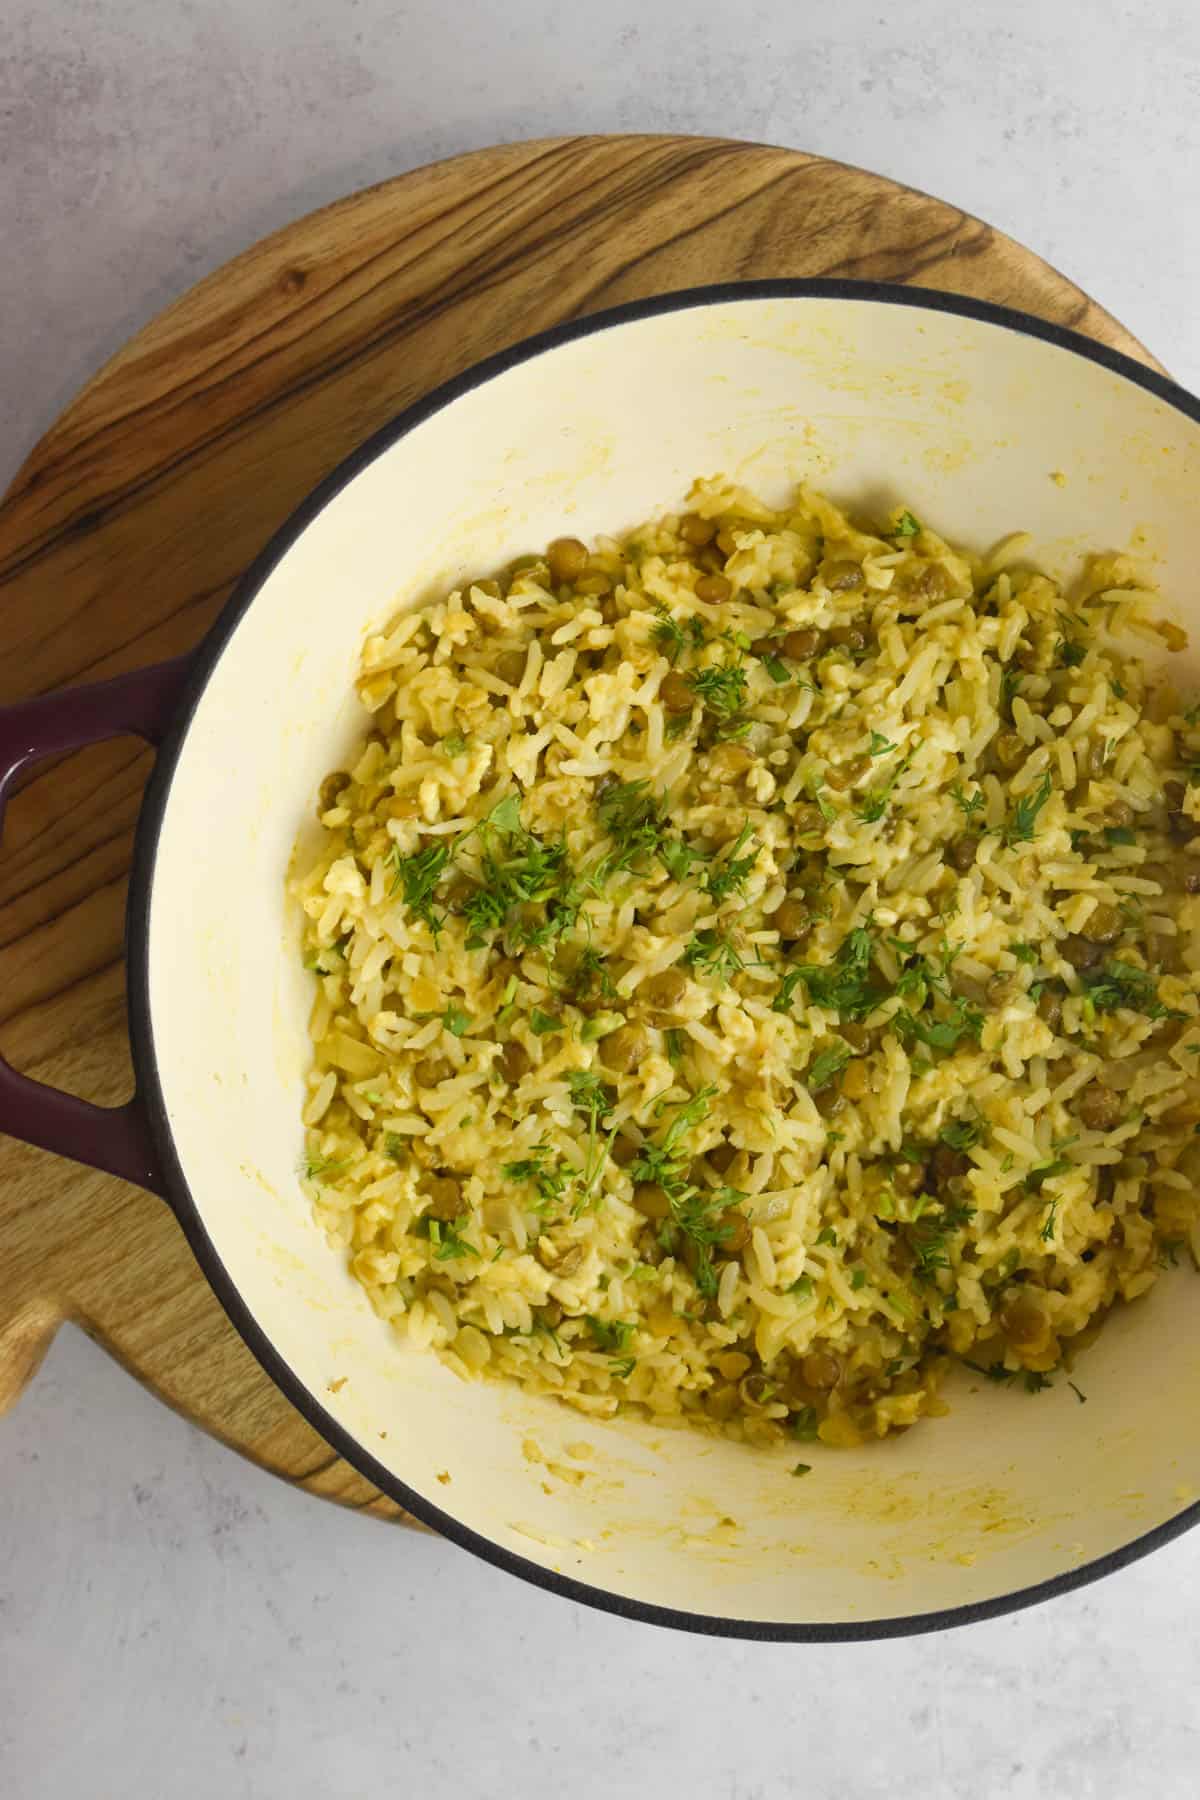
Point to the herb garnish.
(730, 874)
(1022, 822)
(713, 954)
(1124, 985)
(549, 1178)
(842, 986)
(826, 1067)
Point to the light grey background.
(175, 1625)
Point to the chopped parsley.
(455, 744)
(802, 1469)
(1070, 654)
(802, 1287)
(1024, 953)
(456, 1021)
(1120, 834)
(879, 745)
(540, 1023)
(776, 670)
(907, 526)
(827, 1235)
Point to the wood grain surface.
(124, 532)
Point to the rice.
(756, 967)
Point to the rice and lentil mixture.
(757, 967)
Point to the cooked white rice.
(755, 966)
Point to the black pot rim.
(145, 1060)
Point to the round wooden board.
(123, 534)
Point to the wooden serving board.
(123, 534)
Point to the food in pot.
(756, 969)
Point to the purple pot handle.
(114, 1138)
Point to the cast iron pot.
(970, 414)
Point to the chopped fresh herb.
(456, 1021)
(677, 857)
(827, 1235)
(776, 670)
(669, 634)
(455, 744)
(1168, 1252)
(317, 1167)
(1070, 654)
(804, 1424)
(721, 689)
(968, 804)
(549, 1177)
(1118, 688)
(962, 1134)
(1010, 684)
(611, 1335)
(802, 1287)
(842, 986)
(907, 527)
(1024, 953)
(448, 1243)
(1036, 1382)
(713, 954)
(1022, 822)
(826, 1067)
(623, 1366)
(858, 1279)
(802, 1469)
(519, 870)
(729, 876)
(879, 745)
(635, 819)
(961, 1021)
(1036, 1180)
(589, 1094)
(1121, 985)
(875, 803)
(415, 879)
(1120, 834)
(1047, 1231)
(540, 1023)
(673, 1042)
(394, 1146)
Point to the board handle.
(116, 1139)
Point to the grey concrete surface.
(174, 1625)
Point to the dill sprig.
(549, 1177)
(713, 954)
(729, 876)
(1022, 822)
(843, 986)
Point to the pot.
(982, 421)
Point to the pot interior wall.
(971, 425)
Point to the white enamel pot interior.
(981, 422)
